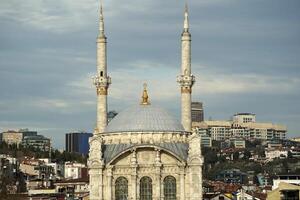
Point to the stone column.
(96, 183)
(182, 184)
(157, 183)
(134, 166)
(109, 183)
(195, 182)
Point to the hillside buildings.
(26, 138)
(244, 126)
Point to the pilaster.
(158, 177)
(182, 183)
(109, 176)
(134, 166)
(96, 183)
(96, 165)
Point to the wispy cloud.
(56, 17)
(240, 50)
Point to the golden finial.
(145, 97)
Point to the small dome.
(144, 118)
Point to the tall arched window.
(146, 188)
(170, 188)
(121, 188)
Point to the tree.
(247, 154)
(235, 155)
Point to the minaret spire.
(101, 21)
(186, 19)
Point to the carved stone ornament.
(95, 154)
(195, 145)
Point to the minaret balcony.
(186, 80)
(101, 81)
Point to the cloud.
(56, 17)
(244, 53)
(247, 83)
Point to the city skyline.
(244, 58)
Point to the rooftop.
(144, 118)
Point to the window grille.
(146, 188)
(170, 188)
(121, 188)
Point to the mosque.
(144, 153)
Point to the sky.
(245, 56)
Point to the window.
(170, 188)
(101, 73)
(146, 188)
(121, 188)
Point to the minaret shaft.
(186, 54)
(101, 80)
(186, 79)
(101, 56)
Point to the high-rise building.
(197, 112)
(78, 142)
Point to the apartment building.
(242, 126)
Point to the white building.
(243, 195)
(145, 153)
(271, 154)
(217, 130)
(239, 143)
(244, 117)
(222, 130)
(73, 170)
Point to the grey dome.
(144, 118)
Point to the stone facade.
(143, 159)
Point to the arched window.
(170, 188)
(121, 188)
(146, 188)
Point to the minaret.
(101, 80)
(186, 79)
